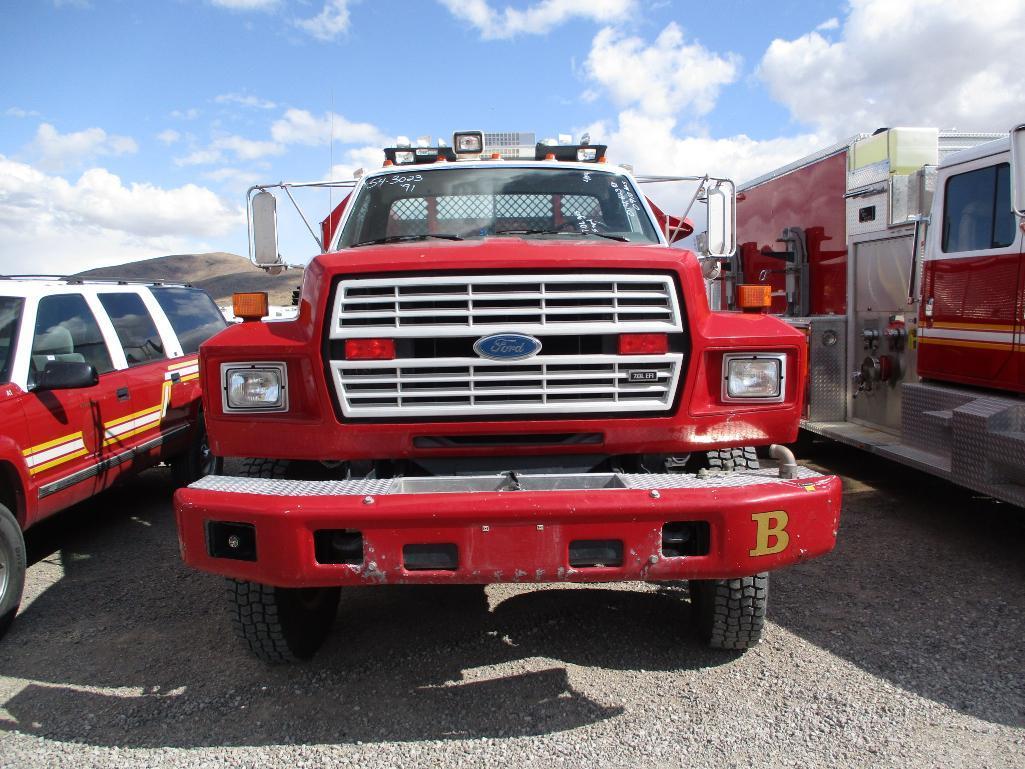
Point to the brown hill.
(220, 274)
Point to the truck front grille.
(430, 307)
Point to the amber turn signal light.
(250, 306)
(370, 349)
(754, 297)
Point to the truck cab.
(502, 372)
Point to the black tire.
(12, 568)
(282, 624)
(730, 613)
(198, 461)
(742, 458)
(264, 468)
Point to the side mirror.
(722, 222)
(1018, 169)
(66, 375)
(264, 208)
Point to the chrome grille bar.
(433, 306)
(442, 387)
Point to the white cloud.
(168, 136)
(917, 62)
(245, 100)
(19, 112)
(833, 23)
(185, 114)
(200, 158)
(57, 151)
(245, 5)
(298, 126)
(536, 19)
(652, 145)
(661, 79)
(247, 149)
(107, 221)
(330, 23)
(368, 158)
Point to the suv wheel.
(198, 461)
(12, 568)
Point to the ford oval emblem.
(507, 346)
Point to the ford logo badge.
(507, 346)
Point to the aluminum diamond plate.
(440, 485)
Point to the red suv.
(97, 380)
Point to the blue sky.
(131, 129)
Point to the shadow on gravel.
(132, 649)
(926, 588)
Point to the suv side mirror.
(66, 375)
(1018, 169)
(722, 222)
(264, 232)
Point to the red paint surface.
(513, 549)
(311, 430)
(982, 293)
(811, 198)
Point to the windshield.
(10, 317)
(475, 202)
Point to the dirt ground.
(904, 647)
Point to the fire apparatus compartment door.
(878, 349)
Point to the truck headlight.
(754, 377)
(254, 387)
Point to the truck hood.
(502, 253)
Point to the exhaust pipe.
(787, 461)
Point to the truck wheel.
(12, 568)
(282, 624)
(743, 458)
(730, 613)
(264, 468)
(198, 461)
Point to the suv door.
(62, 453)
(133, 429)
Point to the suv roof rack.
(76, 280)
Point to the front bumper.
(512, 528)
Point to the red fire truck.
(901, 256)
(500, 372)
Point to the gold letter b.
(770, 525)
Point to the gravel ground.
(903, 648)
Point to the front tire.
(12, 568)
(280, 624)
(730, 613)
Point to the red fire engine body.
(901, 256)
(509, 377)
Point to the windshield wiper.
(399, 238)
(541, 231)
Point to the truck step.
(943, 418)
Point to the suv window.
(134, 326)
(66, 330)
(977, 210)
(193, 315)
(10, 322)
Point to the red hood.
(502, 253)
